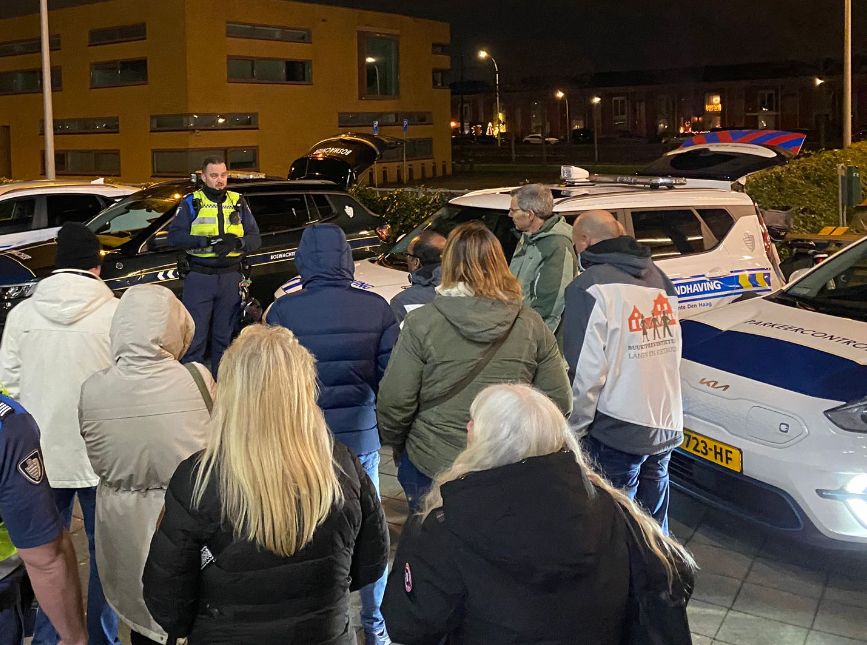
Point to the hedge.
(808, 185)
(403, 208)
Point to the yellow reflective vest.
(206, 223)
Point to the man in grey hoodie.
(625, 382)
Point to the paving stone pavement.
(753, 587)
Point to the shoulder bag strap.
(459, 387)
(200, 383)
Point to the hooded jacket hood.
(324, 254)
(150, 324)
(538, 519)
(623, 252)
(481, 320)
(427, 276)
(67, 297)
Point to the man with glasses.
(544, 261)
(423, 259)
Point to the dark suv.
(134, 233)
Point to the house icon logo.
(658, 322)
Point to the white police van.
(711, 240)
(775, 404)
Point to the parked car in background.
(775, 405)
(32, 211)
(537, 139)
(134, 234)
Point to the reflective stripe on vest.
(206, 223)
(9, 560)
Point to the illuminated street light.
(560, 94)
(596, 100)
(484, 55)
(370, 60)
(818, 81)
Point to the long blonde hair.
(512, 422)
(270, 452)
(473, 255)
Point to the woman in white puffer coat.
(140, 418)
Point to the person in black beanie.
(216, 229)
(52, 342)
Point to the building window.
(362, 119)
(440, 48)
(415, 149)
(378, 65)
(178, 122)
(115, 73)
(269, 70)
(767, 101)
(122, 34)
(174, 163)
(86, 125)
(618, 112)
(87, 162)
(30, 46)
(713, 108)
(27, 81)
(264, 32)
(439, 78)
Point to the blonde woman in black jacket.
(265, 532)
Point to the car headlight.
(850, 416)
(853, 494)
(17, 291)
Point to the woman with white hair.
(520, 541)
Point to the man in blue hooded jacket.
(351, 332)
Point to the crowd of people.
(530, 417)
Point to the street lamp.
(560, 94)
(370, 60)
(818, 81)
(847, 73)
(596, 100)
(483, 54)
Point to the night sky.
(567, 37)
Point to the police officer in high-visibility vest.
(32, 533)
(216, 228)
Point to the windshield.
(447, 218)
(121, 221)
(837, 287)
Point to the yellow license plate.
(712, 450)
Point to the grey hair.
(512, 422)
(536, 198)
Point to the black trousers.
(138, 639)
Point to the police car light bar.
(634, 180)
(573, 175)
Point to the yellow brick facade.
(187, 48)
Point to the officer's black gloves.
(225, 244)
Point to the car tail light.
(384, 232)
(766, 236)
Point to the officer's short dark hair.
(428, 247)
(213, 160)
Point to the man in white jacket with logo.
(51, 344)
(622, 343)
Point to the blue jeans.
(414, 482)
(371, 595)
(644, 478)
(101, 619)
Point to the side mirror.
(159, 242)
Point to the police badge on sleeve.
(31, 467)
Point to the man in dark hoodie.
(351, 333)
(625, 382)
(424, 261)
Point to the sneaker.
(377, 638)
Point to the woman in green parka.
(476, 332)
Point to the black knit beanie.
(77, 247)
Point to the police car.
(32, 211)
(775, 404)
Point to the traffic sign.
(405, 125)
(376, 127)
